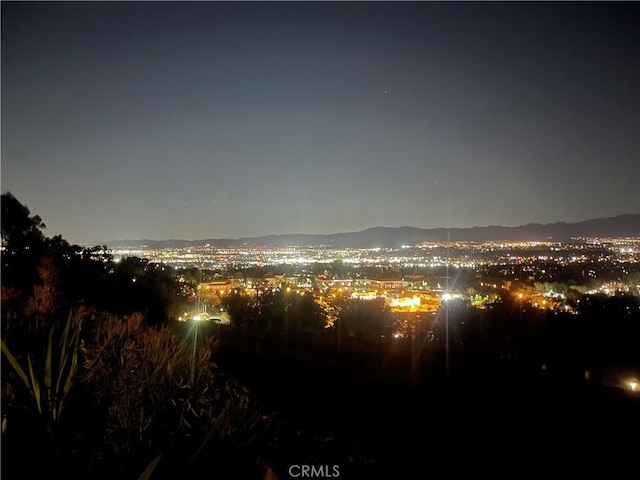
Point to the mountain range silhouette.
(625, 225)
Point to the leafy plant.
(148, 472)
(49, 375)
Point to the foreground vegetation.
(95, 383)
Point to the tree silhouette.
(22, 244)
(365, 319)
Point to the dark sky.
(200, 120)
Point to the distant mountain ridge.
(626, 225)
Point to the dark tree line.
(33, 263)
(275, 311)
(599, 337)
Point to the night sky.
(162, 120)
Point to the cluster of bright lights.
(446, 297)
(405, 301)
(364, 295)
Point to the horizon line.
(275, 235)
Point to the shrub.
(157, 390)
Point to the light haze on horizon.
(196, 120)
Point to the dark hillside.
(621, 226)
